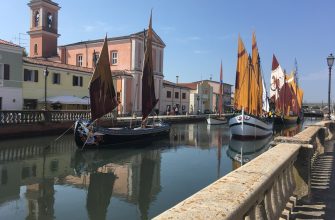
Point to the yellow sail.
(258, 77)
(253, 89)
(241, 81)
(297, 91)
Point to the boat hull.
(216, 121)
(92, 137)
(248, 127)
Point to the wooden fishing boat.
(252, 122)
(285, 95)
(218, 119)
(103, 100)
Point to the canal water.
(44, 179)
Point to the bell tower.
(43, 28)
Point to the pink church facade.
(126, 55)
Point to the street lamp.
(46, 73)
(330, 62)
(198, 103)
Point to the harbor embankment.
(268, 187)
(17, 124)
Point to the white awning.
(69, 100)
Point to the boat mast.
(249, 79)
(296, 85)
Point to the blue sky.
(199, 34)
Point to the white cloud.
(88, 28)
(201, 51)
(188, 39)
(227, 37)
(99, 25)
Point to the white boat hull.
(249, 127)
(216, 121)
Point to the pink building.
(126, 54)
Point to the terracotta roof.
(207, 80)
(46, 62)
(192, 86)
(8, 43)
(174, 84)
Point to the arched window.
(49, 20)
(36, 18)
(35, 49)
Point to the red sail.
(102, 92)
(148, 88)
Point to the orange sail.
(241, 81)
(258, 76)
(298, 94)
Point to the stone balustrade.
(264, 188)
(36, 116)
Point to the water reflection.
(131, 175)
(43, 179)
(242, 152)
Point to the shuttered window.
(6, 72)
(30, 75)
(77, 81)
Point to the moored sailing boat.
(251, 122)
(219, 119)
(103, 100)
(285, 95)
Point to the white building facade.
(175, 99)
(10, 76)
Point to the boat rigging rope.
(63, 133)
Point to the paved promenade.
(321, 202)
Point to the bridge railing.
(264, 188)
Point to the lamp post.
(330, 62)
(198, 104)
(46, 73)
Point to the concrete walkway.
(321, 203)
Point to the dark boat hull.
(93, 137)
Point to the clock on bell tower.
(43, 28)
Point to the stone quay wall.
(18, 124)
(266, 187)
